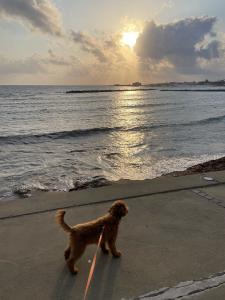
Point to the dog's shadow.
(103, 283)
(64, 285)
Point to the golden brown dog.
(84, 234)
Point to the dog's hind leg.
(70, 264)
(75, 253)
(67, 253)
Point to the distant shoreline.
(194, 90)
(141, 89)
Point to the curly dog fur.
(84, 234)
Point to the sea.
(51, 140)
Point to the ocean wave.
(25, 190)
(205, 121)
(147, 105)
(172, 125)
(37, 138)
(94, 182)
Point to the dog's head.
(119, 209)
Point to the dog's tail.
(60, 220)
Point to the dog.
(84, 234)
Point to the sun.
(129, 38)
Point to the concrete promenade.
(172, 242)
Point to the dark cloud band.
(38, 14)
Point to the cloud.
(31, 65)
(179, 43)
(40, 15)
(210, 51)
(34, 64)
(165, 6)
(106, 49)
(90, 45)
(56, 60)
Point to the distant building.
(136, 83)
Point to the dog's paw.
(66, 255)
(74, 272)
(117, 254)
(105, 251)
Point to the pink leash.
(91, 272)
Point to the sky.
(88, 42)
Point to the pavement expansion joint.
(187, 289)
(215, 200)
(111, 199)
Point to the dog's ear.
(118, 209)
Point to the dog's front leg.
(103, 247)
(112, 247)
